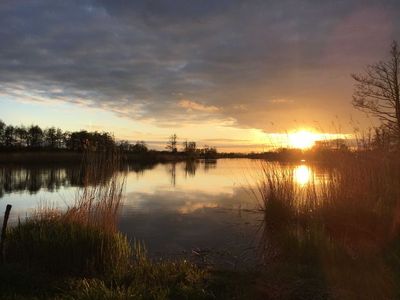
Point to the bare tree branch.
(377, 90)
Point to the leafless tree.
(377, 91)
(189, 147)
(172, 142)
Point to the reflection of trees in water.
(33, 178)
(190, 168)
(209, 164)
(171, 169)
(138, 168)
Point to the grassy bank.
(58, 259)
(57, 256)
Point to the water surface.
(200, 209)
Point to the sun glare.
(302, 175)
(302, 139)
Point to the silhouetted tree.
(2, 130)
(172, 142)
(185, 145)
(90, 141)
(60, 139)
(124, 145)
(104, 141)
(139, 147)
(35, 137)
(21, 135)
(51, 138)
(208, 152)
(189, 148)
(66, 138)
(78, 141)
(377, 91)
(9, 138)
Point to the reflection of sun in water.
(302, 139)
(302, 175)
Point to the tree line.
(189, 148)
(35, 138)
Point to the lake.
(203, 210)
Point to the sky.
(238, 75)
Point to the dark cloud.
(256, 62)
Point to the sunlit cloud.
(280, 101)
(195, 106)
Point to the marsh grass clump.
(342, 227)
(82, 240)
(60, 246)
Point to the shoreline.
(41, 157)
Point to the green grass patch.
(65, 247)
(54, 257)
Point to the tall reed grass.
(343, 227)
(83, 239)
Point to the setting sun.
(302, 139)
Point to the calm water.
(175, 209)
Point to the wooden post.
(3, 232)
